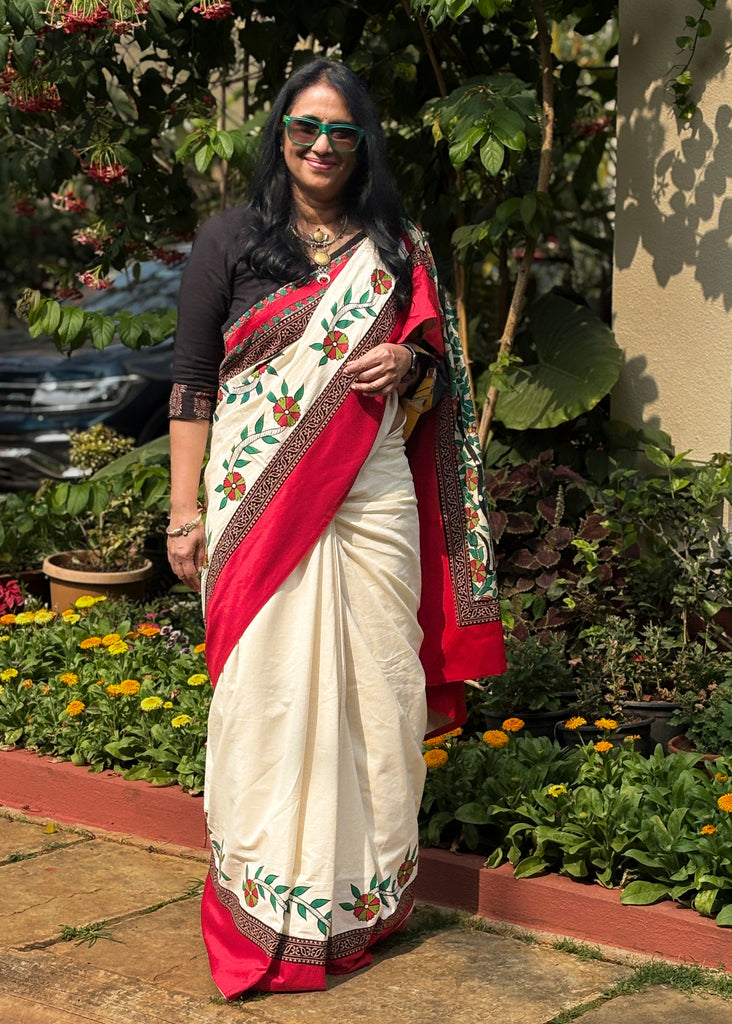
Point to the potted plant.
(534, 686)
(113, 512)
(29, 531)
(703, 721)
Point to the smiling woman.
(310, 332)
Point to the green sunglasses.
(305, 131)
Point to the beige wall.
(673, 252)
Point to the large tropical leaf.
(578, 361)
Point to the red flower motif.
(471, 517)
(381, 282)
(335, 345)
(234, 486)
(286, 411)
(251, 896)
(471, 478)
(478, 571)
(405, 872)
(366, 906)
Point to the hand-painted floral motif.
(234, 486)
(285, 898)
(335, 345)
(251, 895)
(366, 906)
(381, 282)
(286, 407)
(406, 869)
(478, 571)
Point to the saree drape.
(339, 582)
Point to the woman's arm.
(187, 552)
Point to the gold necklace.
(319, 241)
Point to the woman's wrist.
(413, 366)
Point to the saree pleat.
(322, 756)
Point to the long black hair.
(269, 246)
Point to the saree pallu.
(321, 634)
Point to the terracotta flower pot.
(682, 745)
(69, 582)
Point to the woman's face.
(319, 174)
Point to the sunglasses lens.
(344, 139)
(301, 132)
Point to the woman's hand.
(381, 370)
(187, 555)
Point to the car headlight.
(89, 393)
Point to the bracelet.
(412, 364)
(186, 528)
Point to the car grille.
(16, 396)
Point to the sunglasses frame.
(323, 129)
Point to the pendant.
(322, 277)
(319, 236)
(321, 258)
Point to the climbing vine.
(682, 83)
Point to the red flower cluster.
(24, 208)
(588, 129)
(74, 16)
(31, 93)
(167, 256)
(104, 169)
(93, 279)
(214, 10)
(69, 202)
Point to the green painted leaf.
(317, 904)
(322, 928)
(299, 890)
(302, 910)
(355, 892)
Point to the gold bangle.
(185, 529)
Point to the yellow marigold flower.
(575, 723)
(725, 802)
(198, 679)
(168, 704)
(435, 758)
(708, 830)
(8, 673)
(70, 678)
(198, 649)
(25, 618)
(513, 725)
(114, 690)
(151, 703)
(4, 639)
(606, 723)
(147, 629)
(631, 739)
(118, 648)
(75, 707)
(7, 620)
(85, 601)
(603, 746)
(43, 616)
(720, 777)
(111, 639)
(495, 738)
(26, 684)
(90, 641)
(129, 687)
(435, 741)
(70, 617)
(180, 720)
(555, 791)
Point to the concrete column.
(673, 251)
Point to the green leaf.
(578, 362)
(473, 813)
(642, 894)
(530, 867)
(724, 917)
(491, 155)
(302, 910)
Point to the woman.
(304, 317)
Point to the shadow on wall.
(670, 198)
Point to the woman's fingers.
(187, 556)
(380, 370)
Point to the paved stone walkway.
(146, 963)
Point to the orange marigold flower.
(70, 678)
(575, 723)
(111, 639)
(89, 642)
(495, 738)
(435, 758)
(453, 732)
(45, 689)
(114, 690)
(708, 830)
(435, 741)
(725, 802)
(198, 649)
(721, 777)
(75, 707)
(147, 629)
(7, 620)
(129, 687)
(602, 746)
(606, 723)
(513, 725)
(26, 684)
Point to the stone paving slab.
(43, 989)
(662, 1005)
(455, 976)
(164, 948)
(23, 838)
(82, 884)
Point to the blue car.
(44, 395)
